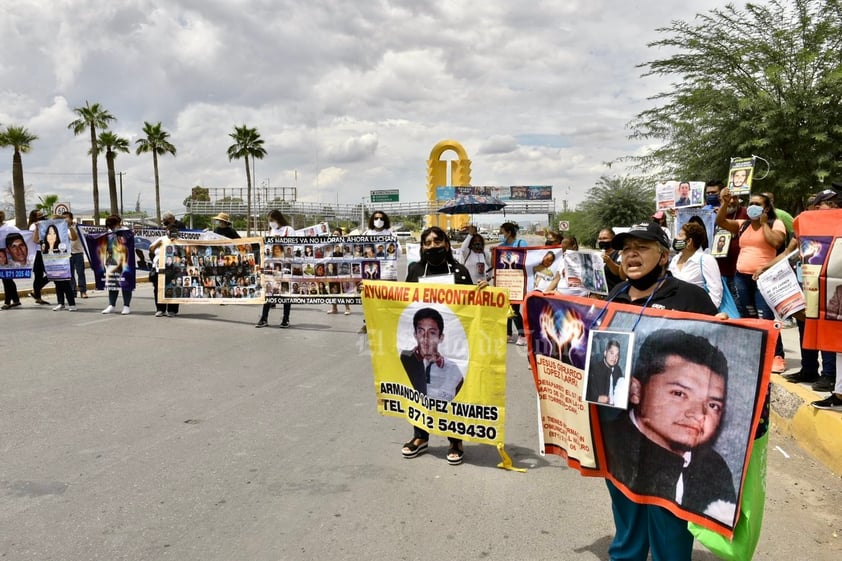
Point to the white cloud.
(349, 96)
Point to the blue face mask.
(712, 200)
(754, 211)
(503, 238)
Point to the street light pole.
(121, 192)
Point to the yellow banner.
(439, 356)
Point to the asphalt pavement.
(202, 438)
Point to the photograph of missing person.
(607, 368)
(685, 434)
(433, 349)
(721, 243)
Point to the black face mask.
(648, 279)
(435, 255)
(604, 246)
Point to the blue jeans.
(644, 527)
(77, 271)
(752, 305)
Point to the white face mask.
(378, 223)
(273, 225)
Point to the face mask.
(712, 200)
(549, 242)
(378, 223)
(503, 238)
(678, 245)
(476, 247)
(273, 225)
(648, 279)
(604, 246)
(754, 211)
(435, 255)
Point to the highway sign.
(385, 196)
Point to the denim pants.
(641, 528)
(77, 273)
(752, 304)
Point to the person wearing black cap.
(645, 256)
(809, 372)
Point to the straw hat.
(222, 216)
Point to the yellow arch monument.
(460, 176)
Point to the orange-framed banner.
(696, 389)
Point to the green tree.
(20, 140)
(615, 201)
(47, 203)
(761, 80)
(157, 143)
(91, 118)
(247, 144)
(112, 144)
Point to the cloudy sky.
(349, 96)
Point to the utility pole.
(121, 174)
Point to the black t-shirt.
(420, 269)
(673, 294)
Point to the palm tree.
(112, 144)
(92, 117)
(47, 203)
(157, 143)
(20, 139)
(247, 143)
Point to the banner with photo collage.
(724, 365)
(143, 238)
(221, 271)
(326, 269)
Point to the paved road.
(202, 438)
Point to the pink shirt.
(755, 251)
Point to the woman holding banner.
(279, 227)
(380, 225)
(436, 265)
(760, 236)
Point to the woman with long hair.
(39, 274)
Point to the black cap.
(651, 231)
(837, 185)
(824, 196)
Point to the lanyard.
(595, 322)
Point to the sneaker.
(824, 384)
(800, 377)
(159, 314)
(71, 308)
(778, 365)
(284, 324)
(521, 341)
(331, 312)
(832, 402)
(108, 310)
(262, 323)
(347, 312)
(58, 308)
(126, 311)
